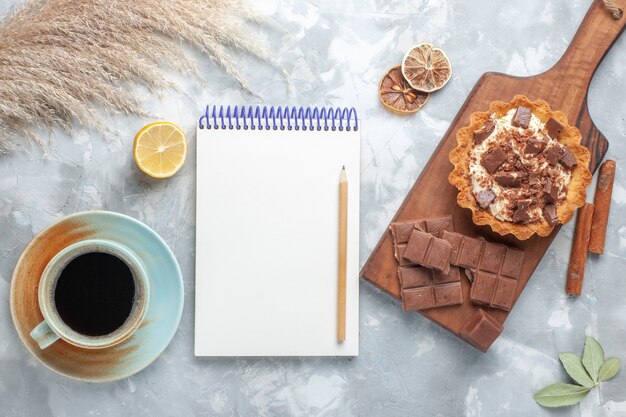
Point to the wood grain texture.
(565, 88)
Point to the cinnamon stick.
(580, 246)
(602, 206)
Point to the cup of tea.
(93, 294)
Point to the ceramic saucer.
(162, 317)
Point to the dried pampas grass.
(61, 59)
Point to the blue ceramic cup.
(53, 328)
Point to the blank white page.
(267, 242)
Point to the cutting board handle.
(595, 36)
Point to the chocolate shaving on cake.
(553, 128)
(519, 165)
(535, 145)
(534, 179)
(524, 203)
(484, 198)
(494, 158)
(521, 118)
(483, 133)
(508, 179)
(567, 158)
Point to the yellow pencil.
(343, 253)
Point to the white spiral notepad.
(267, 231)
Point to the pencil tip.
(343, 167)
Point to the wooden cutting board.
(564, 87)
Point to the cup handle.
(44, 335)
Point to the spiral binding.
(275, 118)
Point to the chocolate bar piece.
(553, 154)
(493, 159)
(401, 232)
(550, 192)
(481, 330)
(549, 213)
(567, 158)
(423, 288)
(493, 290)
(508, 179)
(554, 128)
(521, 118)
(426, 250)
(495, 268)
(484, 132)
(484, 198)
(521, 215)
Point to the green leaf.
(559, 395)
(573, 364)
(609, 369)
(593, 357)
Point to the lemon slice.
(160, 149)
(426, 68)
(397, 95)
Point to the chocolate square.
(448, 294)
(550, 214)
(483, 287)
(553, 128)
(481, 330)
(508, 179)
(469, 252)
(401, 232)
(419, 288)
(402, 261)
(521, 215)
(512, 264)
(436, 226)
(439, 277)
(550, 191)
(453, 239)
(414, 277)
(483, 133)
(492, 257)
(417, 247)
(418, 298)
(484, 198)
(505, 293)
(567, 158)
(426, 250)
(438, 257)
(553, 154)
(493, 159)
(521, 118)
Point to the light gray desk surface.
(336, 52)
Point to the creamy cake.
(520, 168)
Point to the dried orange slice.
(397, 95)
(160, 149)
(426, 68)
